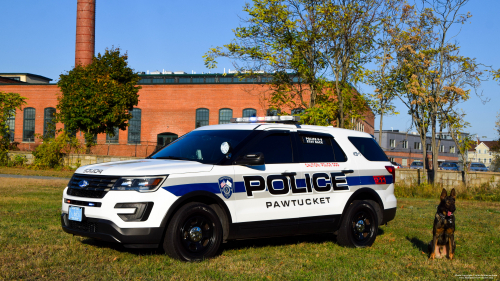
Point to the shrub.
(51, 152)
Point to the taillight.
(391, 170)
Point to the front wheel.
(194, 233)
(359, 226)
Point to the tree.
(433, 76)
(97, 98)
(382, 77)
(9, 102)
(463, 141)
(310, 39)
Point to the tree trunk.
(434, 149)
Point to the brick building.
(170, 105)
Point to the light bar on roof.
(267, 119)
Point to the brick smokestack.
(85, 32)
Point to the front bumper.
(149, 237)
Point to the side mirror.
(252, 159)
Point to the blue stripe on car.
(179, 190)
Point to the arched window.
(201, 117)
(297, 111)
(249, 112)
(113, 139)
(273, 112)
(49, 127)
(134, 130)
(29, 125)
(11, 123)
(225, 115)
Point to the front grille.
(97, 186)
(83, 226)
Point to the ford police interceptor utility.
(256, 177)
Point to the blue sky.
(39, 37)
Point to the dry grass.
(33, 246)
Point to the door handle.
(347, 171)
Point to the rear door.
(325, 168)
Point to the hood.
(145, 167)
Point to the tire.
(359, 226)
(194, 233)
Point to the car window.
(277, 148)
(202, 146)
(317, 148)
(369, 148)
(478, 165)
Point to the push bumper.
(107, 231)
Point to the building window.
(225, 115)
(429, 147)
(393, 143)
(11, 123)
(201, 117)
(49, 127)
(113, 139)
(297, 111)
(405, 144)
(273, 112)
(441, 148)
(249, 112)
(392, 159)
(490, 160)
(404, 162)
(452, 149)
(134, 129)
(417, 145)
(29, 125)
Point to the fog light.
(142, 211)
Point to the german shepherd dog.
(443, 241)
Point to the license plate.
(75, 213)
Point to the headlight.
(141, 184)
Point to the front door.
(263, 209)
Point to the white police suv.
(257, 177)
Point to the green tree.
(312, 39)
(98, 97)
(9, 102)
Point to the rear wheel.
(359, 226)
(194, 233)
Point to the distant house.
(15, 78)
(481, 152)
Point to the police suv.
(256, 177)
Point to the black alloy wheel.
(194, 233)
(359, 226)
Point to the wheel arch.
(205, 197)
(365, 193)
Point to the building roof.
(27, 74)
(7, 80)
(489, 144)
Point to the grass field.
(33, 246)
(30, 172)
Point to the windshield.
(477, 165)
(449, 165)
(417, 164)
(202, 146)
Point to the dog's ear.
(443, 194)
(453, 194)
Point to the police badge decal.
(226, 186)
